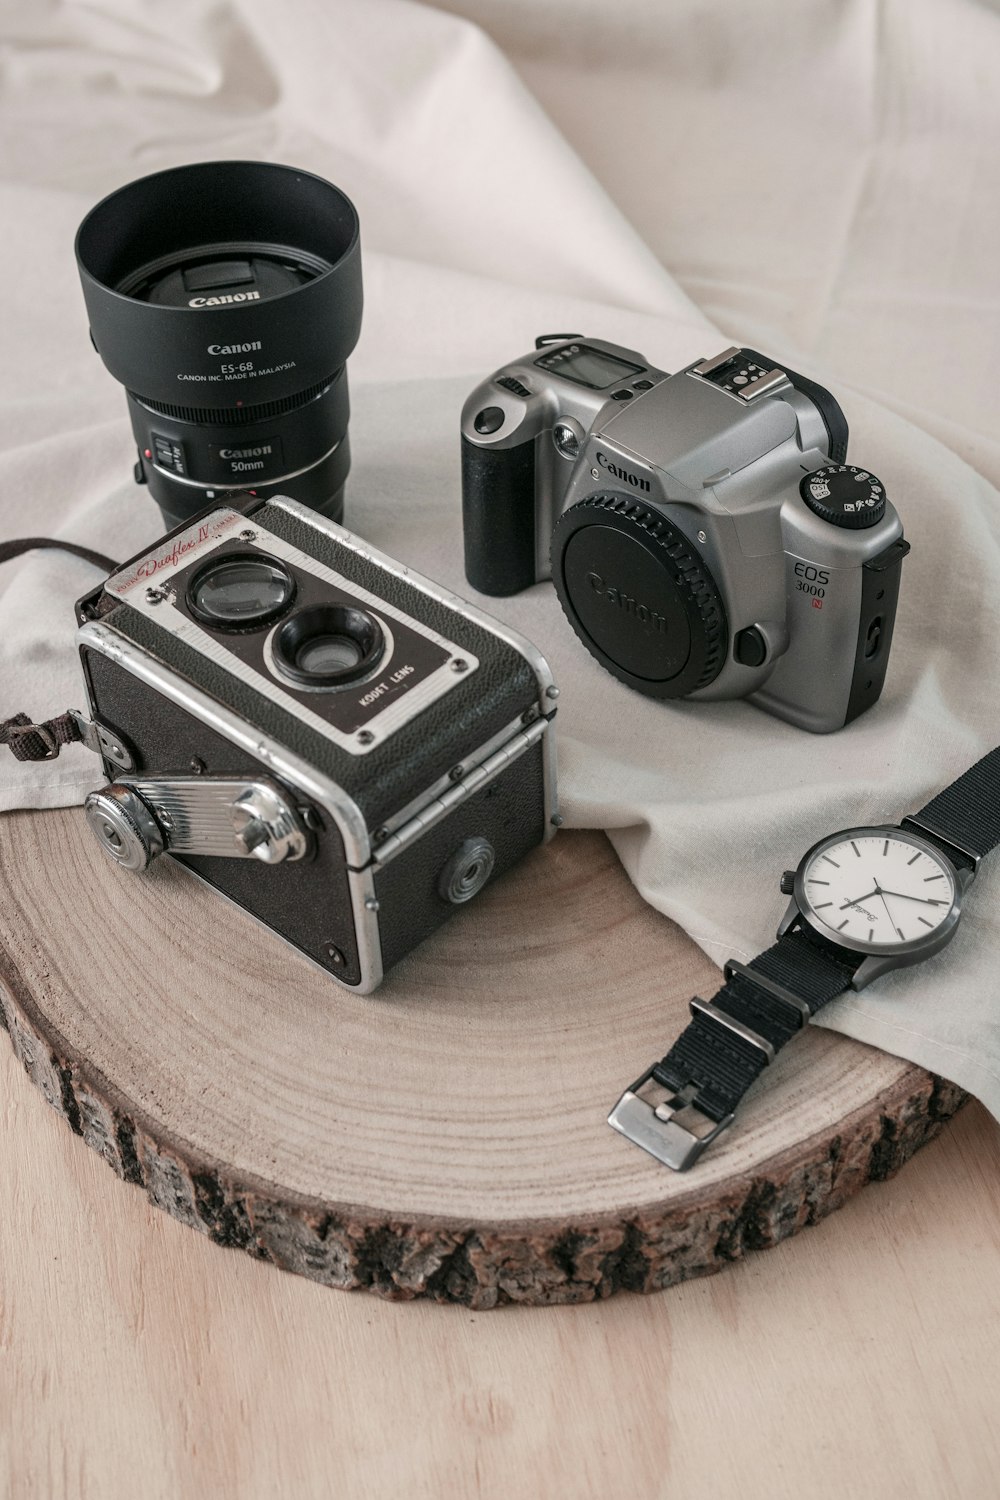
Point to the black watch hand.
(875, 892)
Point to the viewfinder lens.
(238, 592)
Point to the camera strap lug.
(102, 740)
(30, 741)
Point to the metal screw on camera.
(156, 596)
(334, 956)
(365, 737)
(248, 536)
(456, 773)
(458, 665)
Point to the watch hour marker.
(855, 848)
(842, 925)
(901, 937)
(813, 881)
(915, 857)
(926, 923)
(831, 861)
(819, 905)
(885, 847)
(932, 877)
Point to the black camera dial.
(845, 495)
(638, 596)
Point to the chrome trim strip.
(429, 793)
(706, 1008)
(473, 781)
(285, 765)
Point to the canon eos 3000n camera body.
(343, 748)
(705, 534)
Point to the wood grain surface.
(445, 1137)
(138, 1359)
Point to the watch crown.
(787, 882)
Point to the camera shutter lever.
(138, 819)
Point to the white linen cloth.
(818, 180)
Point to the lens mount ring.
(236, 577)
(327, 646)
(639, 596)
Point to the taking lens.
(226, 298)
(328, 645)
(237, 592)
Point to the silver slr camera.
(705, 534)
(341, 747)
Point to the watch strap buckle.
(649, 1114)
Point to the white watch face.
(874, 888)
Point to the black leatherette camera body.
(382, 809)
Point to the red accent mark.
(148, 452)
(817, 604)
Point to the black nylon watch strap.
(715, 1064)
(968, 811)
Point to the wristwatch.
(863, 902)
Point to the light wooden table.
(137, 1359)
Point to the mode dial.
(845, 495)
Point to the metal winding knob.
(124, 826)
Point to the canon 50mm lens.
(226, 298)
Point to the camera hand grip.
(498, 516)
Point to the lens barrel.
(226, 298)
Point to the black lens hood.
(295, 340)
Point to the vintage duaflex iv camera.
(338, 745)
(704, 531)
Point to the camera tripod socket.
(124, 826)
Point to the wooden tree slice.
(446, 1136)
